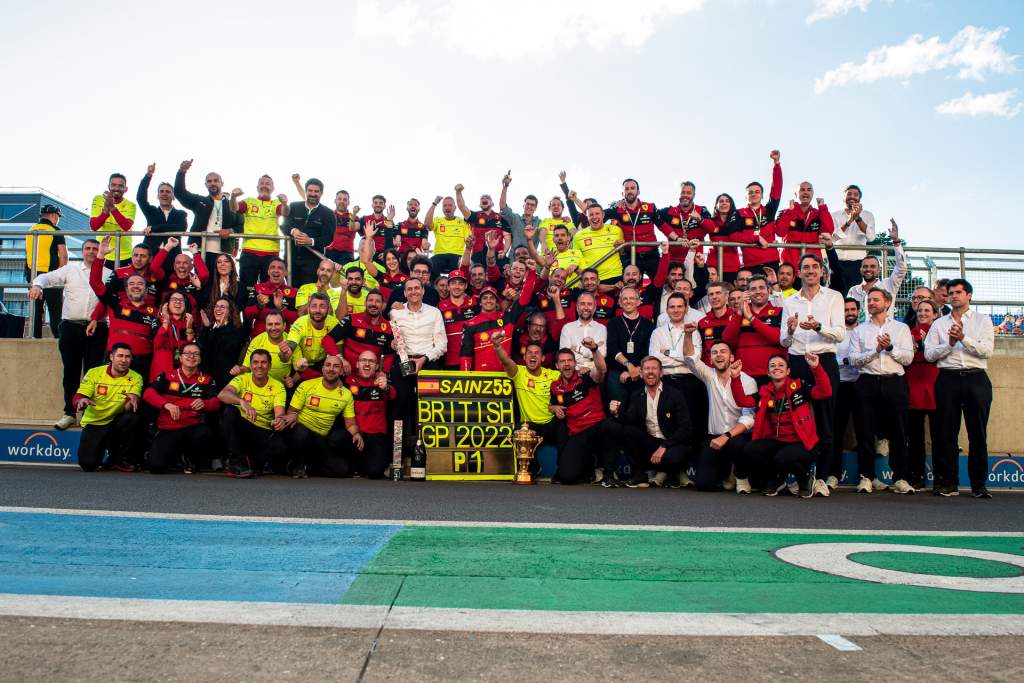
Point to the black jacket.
(673, 414)
(201, 206)
(175, 221)
(222, 349)
(318, 224)
(618, 338)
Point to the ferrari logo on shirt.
(101, 390)
(746, 323)
(314, 400)
(500, 322)
(645, 207)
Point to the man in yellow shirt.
(111, 212)
(306, 338)
(532, 382)
(562, 256)
(450, 232)
(274, 341)
(548, 225)
(595, 241)
(253, 431)
(262, 215)
(46, 250)
(325, 284)
(320, 441)
(109, 396)
(353, 296)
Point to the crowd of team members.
(745, 370)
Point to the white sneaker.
(659, 479)
(832, 483)
(742, 486)
(66, 422)
(820, 489)
(879, 485)
(901, 486)
(864, 486)
(598, 475)
(684, 481)
(729, 483)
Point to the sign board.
(466, 421)
(39, 446)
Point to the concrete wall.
(31, 372)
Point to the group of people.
(629, 331)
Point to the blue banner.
(41, 446)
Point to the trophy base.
(524, 479)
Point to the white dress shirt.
(827, 309)
(653, 428)
(79, 299)
(852, 235)
(214, 225)
(724, 414)
(848, 372)
(972, 352)
(864, 351)
(422, 331)
(890, 284)
(573, 335)
(667, 344)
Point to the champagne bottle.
(418, 470)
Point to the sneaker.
(832, 483)
(775, 489)
(948, 492)
(819, 489)
(66, 422)
(794, 488)
(981, 494)
(126, 467)
(684, 481)
(901, 486)
(742, 486)
(189, 466)
(598, 475)
(659, 479)
(299, 472)
(878, 485)
(239, 470)
(729, 483)
(638, 481)
(864, 486)
(610, 482)
(217, 465)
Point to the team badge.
(746, 323)
(500, 322)
(749, 221)
(625, 216)
(314, 400)
(383, 327)
(587, 242)
(101, 390)
(126, 311)
(792, 385)
(530, 383)
(482, 221)
(174, 285)
(675, 221)
(405, 231)
(484, 336)
(247, 396)
(309, 341)
(174, 386)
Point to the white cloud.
(973, 51)
(534, 30)
(993, 104)
(828, 9)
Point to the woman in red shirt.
(921, 377)
(725, 226)
(784, 435)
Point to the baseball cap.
(51, 208)
(488, 290)
(456, 274)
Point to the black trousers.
(712, 466)
(78, 354)
(915, 448)
(326, 456)
(141, 364)
(252, 268)
(850, 271)
(824, 409)
(375, 459)
(53, 302)
(696, 402)
(554, 433)
(248, 443)
(639, 446)
(967, 393)
(646, 261)
(777, 459)
(882, 403)
(404, 406)
(121, 436)
(442, 264)
(577, 460)
(846, 407)
(169, 445)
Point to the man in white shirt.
(960, 344)
(853, 227)
(813, 322)
(846, 397)
(582, 329)
(79, 350)
(870, 269)
(881, 347)
(728, 424)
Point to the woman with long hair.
(725, 225)
(177, 327)
(393, 274)
(223, 340)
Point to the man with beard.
(212, 215)
(561, 254)
(576, 399)
(853, 227)
(371, 392)
(846, 395)
(262, 214)
(456, 310)
(108, 397)
(132, 322)
(583, 328)
(274, 293)
(482, 222)
(721, 453)
(476, 350)
(253, 431)
(310, 224)
(870, 270)
(759, 221)
(450, 234)
(518, 223)
(803, 224)
(324, 284)
(182, 278)
(547, 227)
(636, 219)
(785, 284)
(536, 332)
(306, 337)
(353, 296)
(161, 218)
(420, 270)
(274, 341)
(629, 338)
(182, 396)
(383, 226)
(366, 331)
(712, 326)
(140, 265)
(532, 381)
(754, 332)
(346, 226)
(111, 212)
(596, 241)
(322, 420)
(411, 234)
(605, 305)
(554, 302)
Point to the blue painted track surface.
(169, 559)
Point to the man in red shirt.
(475, 347)
(802, 223)
(754, 334)
(637, 220)
(140, 265)
(272, 294)
(759, 221)
(683, 222)
(341, 249)
(712, 326)
(456, 310)
(411, 234)
(182, 278)
(132, 322)
(366, 331)
(536, 333)
(482, 222)
(372, 391)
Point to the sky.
(921, 103)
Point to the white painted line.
(839, 643)
(505, 525)
(511, 621)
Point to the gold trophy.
(526, 442)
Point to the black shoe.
(981, 493)
(299, 472)
(610, 481)
(638, 481)
(239, 470)
(947, 491)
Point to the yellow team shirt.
(593, 244)
(548, 225)
(107, 393)
(306, 291)
(568, 258)
(124, 244)
(355, 304)
(309, 340)
(263, 399)
(279, 369)
(260, 219)
(534, 394)
(318, 406)
(369, 281)
(49, 259)
(450, 235)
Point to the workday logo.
(22, 445)
(1008, 471)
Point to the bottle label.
(418, 472)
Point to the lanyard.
(186, 388)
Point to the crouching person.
(654, 426)
(109, 395)
(324, 432)
(252, 432)
(371, 392)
